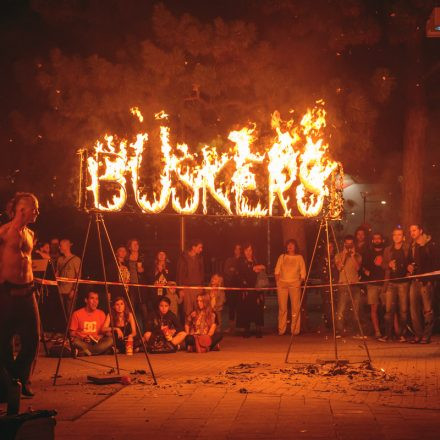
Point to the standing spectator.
(174, 296)
(201, 327)
(373, 270)
(423, 259)
(161, 275)
(232, 280)
(42, 252)
(114, 272)
(290, 272)
(54, 250)
(217, 297)
(395, 263)
(86, 328)
(348, 263)
(135, 264)
(68, 266)
(250, 307)
(123, 325)
(190, 272)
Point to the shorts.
(374, 294)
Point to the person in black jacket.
(395, 263)
(164, 331)
(190, 272)
(423, 259)
(373, 270)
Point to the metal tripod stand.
(97, 217)
(324, 225)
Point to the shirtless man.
(18, 310)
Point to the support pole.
(72, 305)
(182, 233)
(129, 302)
(99, 220)
(332, 300)
(361, 331)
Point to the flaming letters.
(297, 152)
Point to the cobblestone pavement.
(247, 391)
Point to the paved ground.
(247, 391)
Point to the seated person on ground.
(201, 327)
(164, 332)
(86, 328)
(123, 325)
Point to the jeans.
(101, 347)
(344, 299)
(286, 290)
(19, 316)
(420, 300)
(396, 293)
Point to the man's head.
(216, 280)
(398, 236)
(196, 247)
(164, 305)
(349, 242)
(65, 246)
(44, 247)
(92, 301)
(54, 245)
(377, 240)
(360, 235)
(121, 252)
(237, 251)
(133, 245)
(24, 207)
(415, 231)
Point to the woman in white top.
(290, 272)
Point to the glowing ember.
(297, 151)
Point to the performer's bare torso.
(15, 254)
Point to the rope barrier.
(259, 289)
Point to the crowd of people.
(179, 311)
(365, 271)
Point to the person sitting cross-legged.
(201, 327)
(123, 325)
(164, 332)
(86, 328)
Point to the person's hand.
(378, 260)
(410, 268)
(392, 264)
(367, 272)
(71, 294)
(119, 333)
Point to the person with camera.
(348, 263)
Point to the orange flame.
(296, 151)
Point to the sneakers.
(360, 337)
(378, 335)
(383, 339)
(403, 339)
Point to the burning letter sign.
(296, 167)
